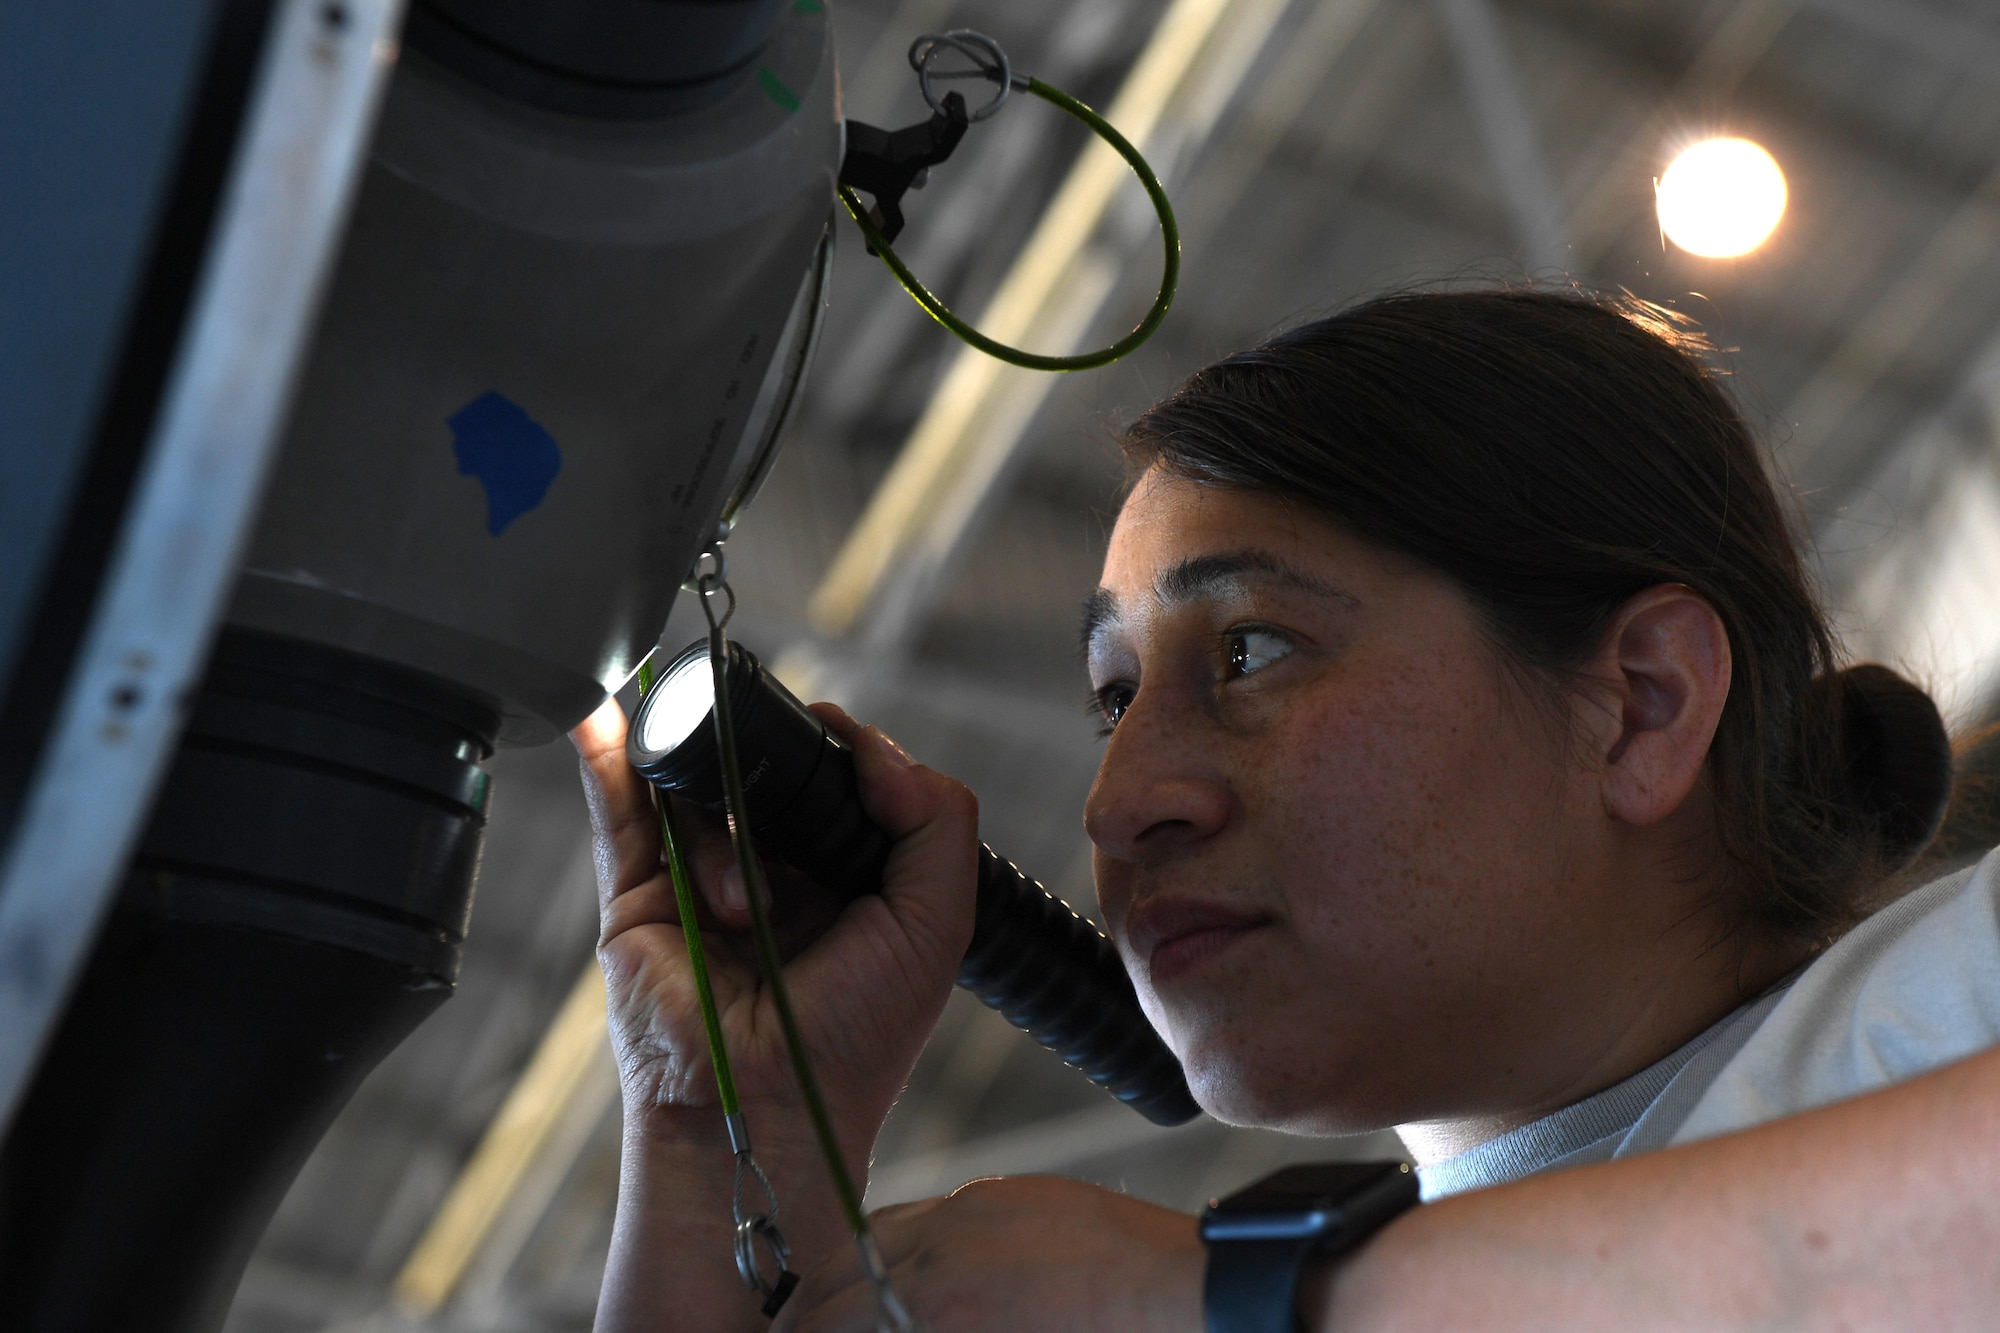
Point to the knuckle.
(957, 799)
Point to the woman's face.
(1360, 876)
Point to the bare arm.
(1878, 1213)
(669, 1263)
(1881, 1213)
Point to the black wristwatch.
(1259, 1238)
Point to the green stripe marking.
(775, 89)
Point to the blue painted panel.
(513, 456)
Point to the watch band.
(1252, 1285)
(1260, 1237)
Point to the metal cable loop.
(991, 62)
(994, 66)
(707, 584)
(751, 1227)
(895, 1316)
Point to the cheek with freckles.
(1406, 826)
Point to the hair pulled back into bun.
(1971, 826)
(1894, 762)
(1555, 453)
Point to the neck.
(1432, 1141)
(1681, 1007)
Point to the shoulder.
(1915, 986)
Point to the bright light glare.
(1721, 198)
(678, 705)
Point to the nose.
(1159, 788)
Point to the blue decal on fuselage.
(515, 459)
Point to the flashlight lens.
(678, 704)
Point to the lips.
(1178, 936)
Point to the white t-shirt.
(1914, 987)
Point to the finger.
(832, 1297)
(624, 827)
(711, 862)
(850, 1310)
(911, 936)
(929, 881)
(854, 733)
(904, 796)
(801, 909)
(836, 719)
(642, 905)
(899, 793)
(901, 1229)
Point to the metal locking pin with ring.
(775, 1292)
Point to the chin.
(1261, 1085)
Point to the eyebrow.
(1202, 576)
(1100, 611)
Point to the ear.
(1666, 663)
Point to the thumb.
(929, 882)
(624, 826)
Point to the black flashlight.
(1047, 970)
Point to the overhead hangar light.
(1721, 198)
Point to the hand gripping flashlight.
(1047, 970)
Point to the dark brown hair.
(1553, 454)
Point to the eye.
(1250, 649)
(1108, 703)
